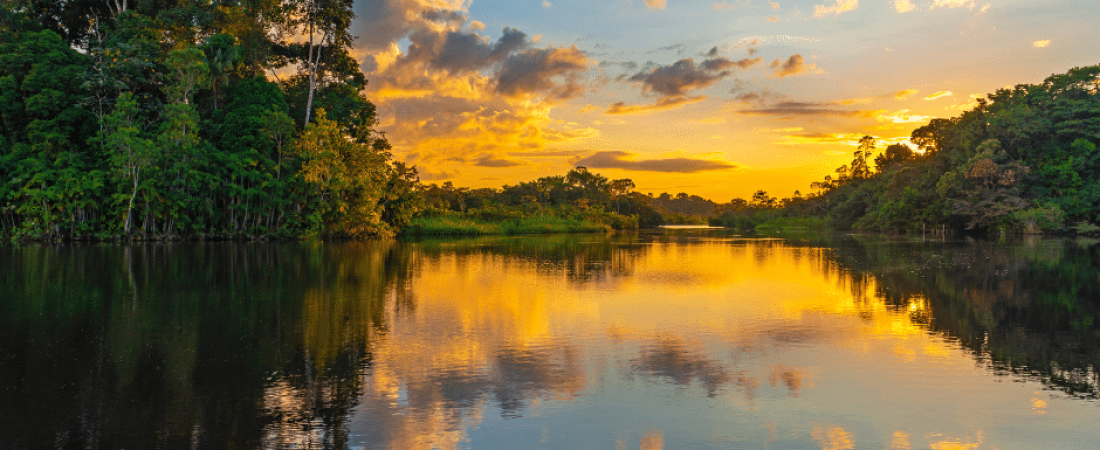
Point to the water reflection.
(677, 339)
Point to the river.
(670, 339)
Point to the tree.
(130, 152)
(325, 24)
(222, 55)
(894, 156)
(621, 188)
(346, 177)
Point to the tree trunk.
(130, 208)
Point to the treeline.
(156, 119)
(580, 200)
(1024, 159)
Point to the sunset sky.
(711, 98)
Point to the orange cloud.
(840, 7)
(661, 104)
(1041, 44)
(655, 4)
(795, 65)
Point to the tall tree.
(130, 152)
(325, 23)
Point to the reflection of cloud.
(653, 440)
(792, 378)
(832, 437)
(671, 359)
(526, 373)
(840, 7)
(620, 160)
(795, 65)
(900, 441)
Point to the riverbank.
(455, 225)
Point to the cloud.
(774, 5)
(904, 6)
(721, 6)
(546, 4)
(672, 83)
(902, 117)
(655, 4)
(795, 65)
(840, 7)
(625, 161)
(552, 71)
(459, 51)
(1041, 44)
(492, 161)
(953, 3)
(902, 95)
(661, 104)
(939, 94)
(821, 139)
(683, 75)
(773, 19)
(808, 109)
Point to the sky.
(711, 98)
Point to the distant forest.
(143, 120)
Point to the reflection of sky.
(711, 97)
(712, 345)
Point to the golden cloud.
(902, 95)
(840, 7)
(902, 117)
(904, 6)
(1041, 44)
(939, 94)
(655, 4)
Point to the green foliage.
(986, 169)
(160, 126)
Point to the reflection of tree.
(582, 258)
(1030, 308)
(162, 345)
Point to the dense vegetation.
(578, 201)
(142, 118)
(1024, 160)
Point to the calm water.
(677, 339)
